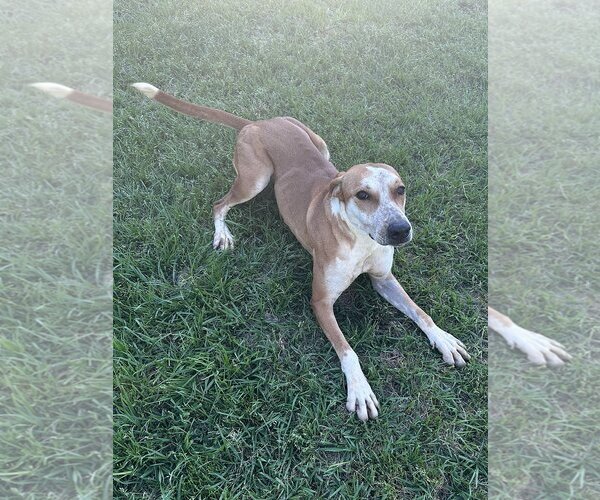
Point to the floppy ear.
(335, 186)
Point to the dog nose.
(398, 232)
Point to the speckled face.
(373, 196)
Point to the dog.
(350, 222)
(539, 349)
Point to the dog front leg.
(360, 396)
(453, 350)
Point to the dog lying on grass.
(349, 222)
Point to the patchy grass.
(55, 254)
(544, 262)
(224, 384)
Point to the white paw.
(453, 350)
(362, 400)
(540, 350)
(223, 240)
(360, 396)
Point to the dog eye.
(362, 195)
(400, 190)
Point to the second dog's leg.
(254, 170)
(453, 350)
(540, 350)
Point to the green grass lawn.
(544, 260)
(225, 387)
(55, 254)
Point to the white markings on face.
(388, 211)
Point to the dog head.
(371, 199)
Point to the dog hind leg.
(254, 170)
(315, 138)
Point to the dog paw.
(453, 350)
(362, 400)
(223, 240)
(360, 396)
(540, 350)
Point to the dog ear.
(335, 186)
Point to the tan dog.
(350, 223)
(538, 348)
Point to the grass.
(544, 264)
(225, 387)
(55, 255)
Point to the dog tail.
(62, 92)
(187, 108)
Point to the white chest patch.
(364, 256)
